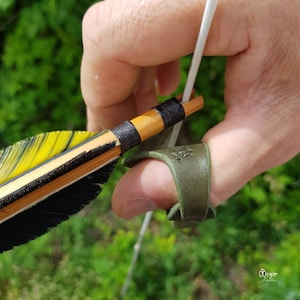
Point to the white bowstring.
(136, 252)
(208, 14)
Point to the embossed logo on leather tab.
(182, 153)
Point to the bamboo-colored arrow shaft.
(141, 127)
(57, 184)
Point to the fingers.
(234, 147)
(103, 84)
(121, 37)
(167, 77)
(128, 47)
(241, 147)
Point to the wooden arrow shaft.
(39, 183)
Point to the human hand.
(130, 54)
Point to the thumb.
(147, 186)
(238, 153)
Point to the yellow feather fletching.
(31, 152)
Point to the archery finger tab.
(190, 168)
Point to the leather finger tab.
(190, 168)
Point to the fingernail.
(136, 207)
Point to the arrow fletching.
(49, 177)
(31, 152)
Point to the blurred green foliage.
(40, 64)
(88, 256)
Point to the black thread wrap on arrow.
(171, 112)
(127, 135)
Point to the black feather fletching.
(47, 214)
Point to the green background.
(88, 256)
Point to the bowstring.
(208, 14)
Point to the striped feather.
(31, 152)
(21, 157)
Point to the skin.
(131, 52)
